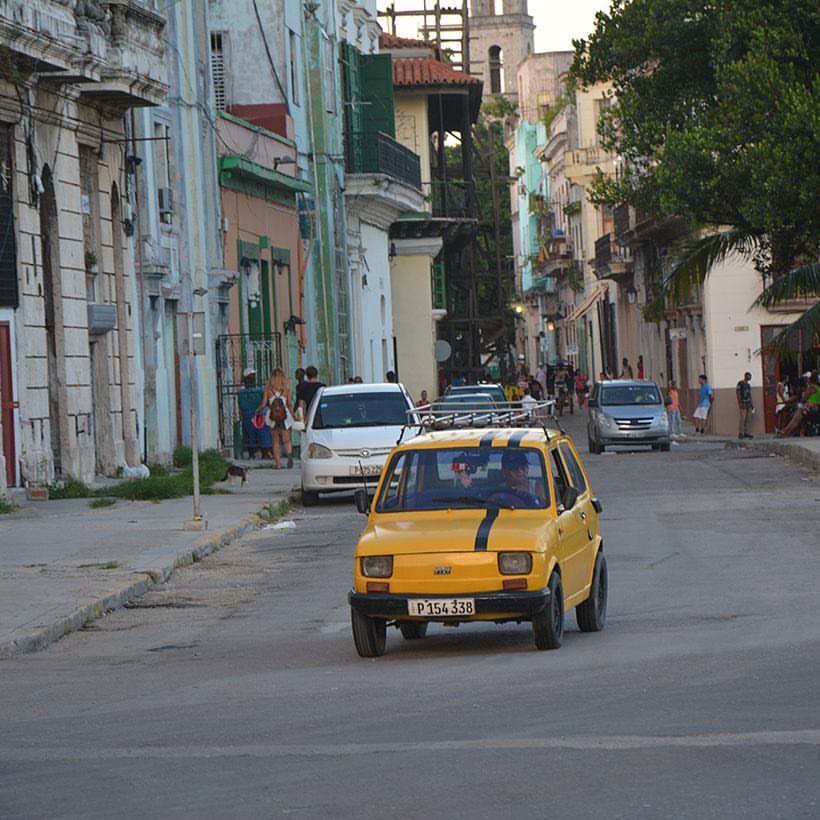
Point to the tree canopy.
(716, 114)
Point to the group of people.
(798, 404)
(268, 412)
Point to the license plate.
(366, 469)
(430, 607)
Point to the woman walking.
(280, 414)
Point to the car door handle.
(583, 515)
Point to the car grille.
(382, 452)
(356, 479)
(633, 424)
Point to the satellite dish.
(442, 350)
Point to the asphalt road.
(235, 691)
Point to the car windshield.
(465, 478)
(469, 399)
(620, 395)
(360, 410)
(492, 390)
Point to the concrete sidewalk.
(63, 563)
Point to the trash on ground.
(282, 525)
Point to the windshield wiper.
(472, 499)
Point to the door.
(572, 534)
(7, 403)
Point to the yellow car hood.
(454, 531)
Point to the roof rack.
(466, 415)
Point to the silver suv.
(627, 412)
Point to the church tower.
(501, 36)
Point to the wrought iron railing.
(377, 153)
(453, 198)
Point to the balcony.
(113, 51)
(611, 260)
(378, 153)
(453, 198)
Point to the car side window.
(559, 476)
(576, 474)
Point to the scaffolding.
(446, 26)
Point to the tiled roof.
(392, 41)
(422, 72)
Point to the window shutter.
(9, 295)
(218, 69)
(376, 78)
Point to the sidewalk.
(63, 563)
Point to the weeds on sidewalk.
(6, 507)
(97, 503)
(271, 513)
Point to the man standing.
(744, 405)
(307, 389)
(705, 398)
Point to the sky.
(556, 23)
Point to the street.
(235, 690)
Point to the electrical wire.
(267, 51)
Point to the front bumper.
(386, 605)
(335, 474)
(610, 436)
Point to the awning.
(579, 310)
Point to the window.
(559, 475)
(329, 74)
(576, 474)
(162, 171)
(218, 69)
(496, 64)
(293, 41)
(345, 410)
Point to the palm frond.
(808, 323)
(798, 283)
(696, 258)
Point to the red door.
(7, 402)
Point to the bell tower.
(501, 36)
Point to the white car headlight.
(605, 421)
(514, 563)
(377, 566)
(319, 451)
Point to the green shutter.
(352, 93)
(376, 79)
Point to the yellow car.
(479, 525)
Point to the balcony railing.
(376, 153)
(611, 260)
(453, 198)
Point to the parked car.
(348, 434)
(495, 391)
(627, 412)
(485, 524)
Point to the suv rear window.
(624, 394)
(360, 410)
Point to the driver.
(515, 469)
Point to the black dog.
(235, 471)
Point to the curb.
(117, 598)
(808, 458)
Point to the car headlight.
(514, 563)
(377, 566)
(605, 421)
(319, 451)
(663, 422)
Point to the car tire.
(664, 448)
(593, 447)
(309, 498)
(413, 630)
(591, 614)
(600, 449)
(369, 634)
(548, 626)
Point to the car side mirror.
(298, 426)
(362, 501)
(569, 497)
(592, 402)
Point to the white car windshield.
(473, 477)
(621, 395)
(360, 410)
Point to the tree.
(716, 113)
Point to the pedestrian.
(528, 403)
(423, 403)
(580, 387)
(602, 377)
(640, 367)
(706, 397)
(280, 414)
(626, 370)
(390, 377)
(550, 381)
(540, 374)
(673, 409)
(569, 381)
(781, 401)
(744, 405)
(307, 390)
(256, 438)
(536, 389)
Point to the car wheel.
(369, 634)
(591, 614)
(413, 630)
(309, 498)
(548, 626)
(593, 447)
(665, 447)
(600, 449)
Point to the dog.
(235, 471)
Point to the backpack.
(278, 409)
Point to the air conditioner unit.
(101, 318)
(165, 197)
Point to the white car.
(349, 432)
